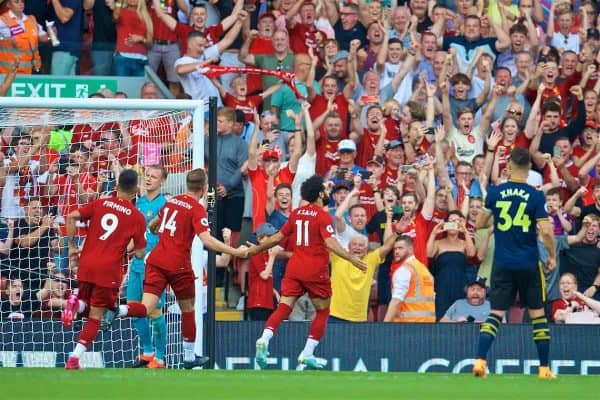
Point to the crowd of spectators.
(411, 111)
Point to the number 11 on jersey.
(301, 233)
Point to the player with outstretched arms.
(310, 228)
(520, 215)
(169, 263)
(113, 223)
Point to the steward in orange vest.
(19, 36)
(418, 303)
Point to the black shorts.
(530, 284)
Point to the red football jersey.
(181, 218)
(308, 227)
(260, 291)
(113, 222)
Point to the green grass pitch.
(105, 384)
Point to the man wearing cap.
(346, 23)
(346, 167)
(260, 277)
(473, 308)
(395, 158)
(259, 163)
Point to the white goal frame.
(198, 109)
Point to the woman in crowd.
(134, 38)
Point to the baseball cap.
(343, 184)
(477, 281)
(265, 229)
(376, 160)
(341, 55)
(270, 154)
(593, 33)
(534, 179)
(591, 124)
(393, 144)
(347, 144)
(267, 15)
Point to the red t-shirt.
(419, 230)
(562, 304)
(154, 130)
(212, 33)
(389, 177)
(573, 170)
(308, 227)
(161, 30)
(68, 196)
(248, 106)
(302, 37)
(181, 219)
(319, 105)
(260, 291)
(327, 154)
(392, 129)
(259, 180)
(366, 198)
(130, 23)
(85, 132)
(366, 147)
(113, 223)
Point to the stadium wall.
(346, 347)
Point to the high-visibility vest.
(23, 44)
(419, 303)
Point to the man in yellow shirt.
(351, 287)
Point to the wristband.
(491, 150)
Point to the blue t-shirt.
(516, 208)
(149, 208)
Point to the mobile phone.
(556, 151)
(405, 168)
(421, 160)
(369, 99)
(341, 173)
(450, 226)
(265, 141)
(366, 174)
(396, 209)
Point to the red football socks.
(281, 313)
(318, 325)
(89, 332)
(136, 310)
(188, 326)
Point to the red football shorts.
(296, 287)
(182, 282)
(98, 296)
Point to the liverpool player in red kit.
(169, 263)
(311, 229)
(113, 223)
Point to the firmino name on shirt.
(310, 213)
(117, 207)
(511, 192)
(180, 203)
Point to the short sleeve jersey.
(308, 227)
(113, 223)
(516, 208)
(182, 218)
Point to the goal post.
(179, 127)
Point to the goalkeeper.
(153, 352)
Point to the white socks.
(267, 335)
(79, 350)
(188, 351)
(309, 348)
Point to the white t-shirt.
(401, 282)
(346, 235)
(306, 169)
(195, 83)
(467, 146)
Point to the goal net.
(59, 154)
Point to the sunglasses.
(515, 112)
